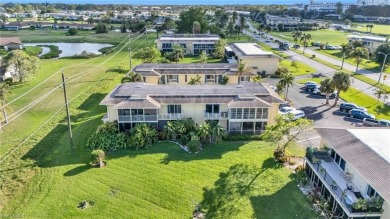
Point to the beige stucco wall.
(357, 179)
(112, 113)
(386, 210)
(272, 112)
(269, 65)
(151, 79)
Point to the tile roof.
(370, 165)
(147, 103)
(7, 40)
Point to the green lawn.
(355, 96)
(325, 36)
(299, 68)
(378, 28)
(33, 50)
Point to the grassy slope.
(355, 96)
(325, 36)
(378, 28)
(299, 69)
(165, 182)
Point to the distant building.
(16, 26)
(373, 2)
(251, 54)
(371, 19)
(369, 42)
(326, 7)
(241, 109)
(10, 43)
(193, 44)
(181, 74)
(286, 21)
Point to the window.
(173, 78)
(337, 159)
(212, 108)
(137, 111)
(247, 126)
(124, 112)
(371, 192)
(245, 78)
(185, 78)
(210, 78)
(174, 108)
(166, 45)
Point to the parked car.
(346, 107)
(268, 41)
(286, 109)
(311, 87)
(360, 114)
(310, 82)
(317, 91)
(316, 43)
(296, 114)
(285, 104)
(337, 47)
(330, 47)
(376, 123)
(296, 46)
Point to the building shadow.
(77, 170)
(226, 198)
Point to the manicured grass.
(378, 28)
(325, 36)
(165, 182)
(33, 50)
(299, 68)
(361, 99)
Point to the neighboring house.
(251, 54)
(16, 26)
(24, 15)
(357, 165)
(371, 19)
(245, 108)
(181, 74)
(10, 43)
(193, 44)
(370, 42)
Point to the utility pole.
(130, 52)
(147, 39)
(383, 65)
(67, 112)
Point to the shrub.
(224, 80)
(282, 155)
(54, 52)
(184, 139)
(240, 137)
(143, 136)
(107, 137)
(85, 55)
(9, 81)
(97, 157)
(106, 50)
(194, 146)
(72, 32)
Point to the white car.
(310, 83)
(292, 113)
(317, 91)
(286, 109)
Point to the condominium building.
(373, 2)
(370, 42)
(244, 108)
(193, 44)
(353, 172)
(182, 74)
(251, 54)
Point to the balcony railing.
(223, 115)
(171, 116)
(345, 197)
(137, 118)
(249, 116)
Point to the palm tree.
(242, 69)
(234, 17)
(4, 19)
(341, 82)
(90, 20)
(204, 132)
(132, 77)
(344, 49)
(281, 71)
(358, 53)
(195, 80)
(242, 24)
(196, 28)
(203, 57)
(379, 93)
(297, 35)
(4, 89)
(260, 28)
(327, 87)
(177, 52)
(370, 26)
(268, 29)
(305, 38)
(286, 81)
(218, 132)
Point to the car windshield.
(286, 109)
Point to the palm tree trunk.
(342, 63)
(336, 99)
(286, 92)
(327, 99)
(357, 66)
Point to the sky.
(178, 2)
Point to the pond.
(71, 49)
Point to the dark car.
(360, 114)
(296, 46)
(346, 107)
(311, 87)
(370, 122)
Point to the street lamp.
(383, 65)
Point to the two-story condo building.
(240, 108)
(181, 74)
(193, 44)
(355, 169)
(370, 42)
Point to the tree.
(132, 77)
(347, 22)
(370, 26)
(143, 136)
(219, 51)
(230, 28)
(268, 29)
(23, 65)
(195, 80)
(107, 137)
(297, 35)
(283, 133)
(217, 132)
(234, 17)
(242, 24)
(286, 81)
(196, 28)
(204, 132)
(327, 87)
(241, 70)
(148, 54)
(177, 53)
(123, 28)
(72, 32)
(281, 71)
(380, 51)
(358, 53)
(169, 24)
(345, 47)
(379, 93)
(187, 18)
(90, 20)
(97, 157)
(341, 82)
(339, 8)
(305, 38)
(101, 28)
(4, 89)
(260, 28)
(203, 57)
(4, 20)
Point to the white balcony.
(137, 118)
(223, 115)
(170, 116)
